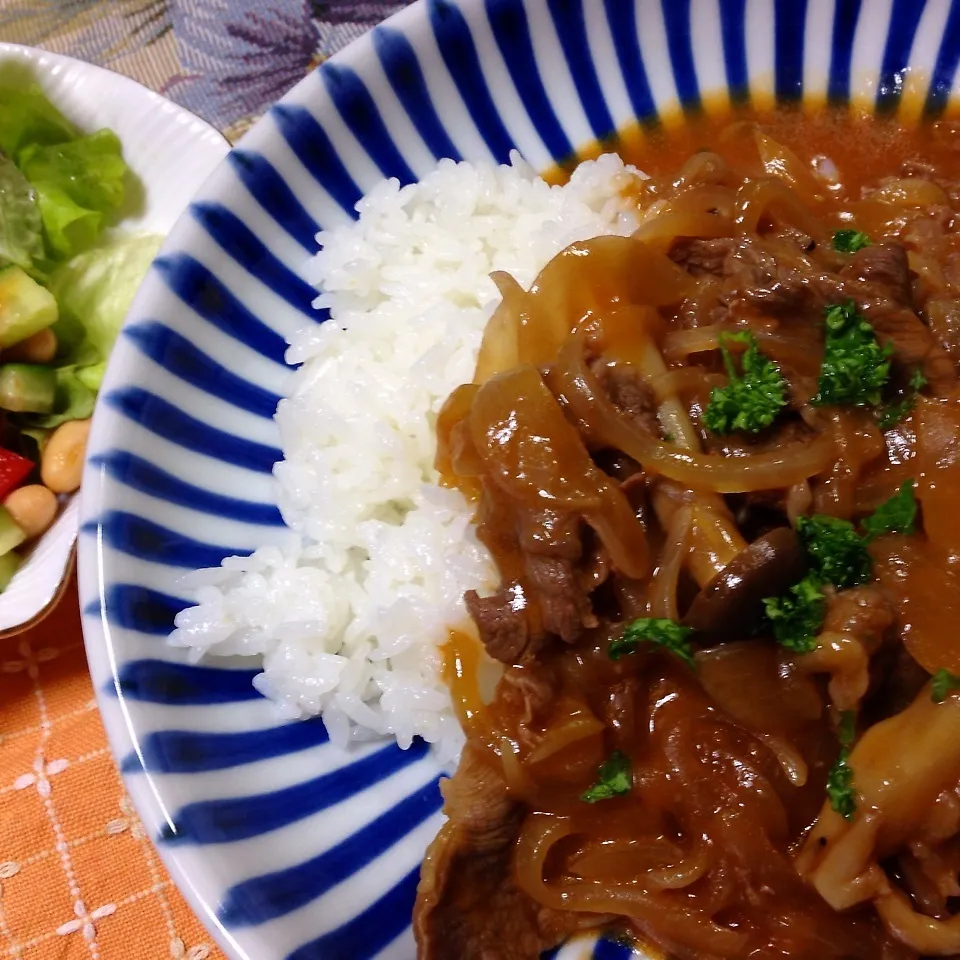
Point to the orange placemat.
(79, 877)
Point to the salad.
(67, 277)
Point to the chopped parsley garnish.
(890, 414)
(614, 779)
(855, 367)
(943, 684)
(850, 241)
(896, 515)
(753, 397)
(847, 728)
(838, 554)
(840, 791)
(661, 632)
(797, 615)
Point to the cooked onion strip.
(774, 469)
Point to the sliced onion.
(774, 469)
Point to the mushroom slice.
(730, 604)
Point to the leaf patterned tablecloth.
(78, 876)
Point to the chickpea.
(33, 508)
(40, 348)
(61, 464)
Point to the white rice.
(348, 621)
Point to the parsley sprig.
(855, 367)
(892, 412)
(943, 684)
(658, 631)
(840, 791)
(614, 779)
(755, 394)
(837, 553)
(896, 515)
(850, 241)
(797, 615)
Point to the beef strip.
(551, 547)
(913, 343)
(502, 624)
(760, 278)
(864, 612)
(469, 906)
(550, 533)
(882, 276)
(564, 605)
(625, 387)
(529, 692)
(883, 265)
(699, 256)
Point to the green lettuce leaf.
(77, 184)
(28, 117)
(74, 399)
(21, 239)
(94, 291)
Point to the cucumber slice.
(11, 535)
(27, 388)
(9, 565)
(25, 307)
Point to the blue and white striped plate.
(285, 848)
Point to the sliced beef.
(564, 606)
(863, 612)
(699, 256)
(623, 384)
(551, 547)
(550, 533)
(913, 343)
(529, 692)
(502, 622)
(468, 904)
(760, 278)
(884, 266)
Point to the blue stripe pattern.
(180, 357)
(400, 64)
(272, 895)
(187, 751)
(204, 293)
(223, 302)
(512, 33)
(622, 18)
(359, 111)
(459, 52)
(904, 20)
(167, 420)
(138, 537)
(368, 932)
(273, 193)
(238, 818)
(945, 70)
(135, 607)
(181, 684)
(243, 246)
(569, 21)
(791, 16)
(733, 32)
(845, 18)
(144, 477)
(676, 18)
(314, 149)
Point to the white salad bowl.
(288, 847)
(171, 153)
